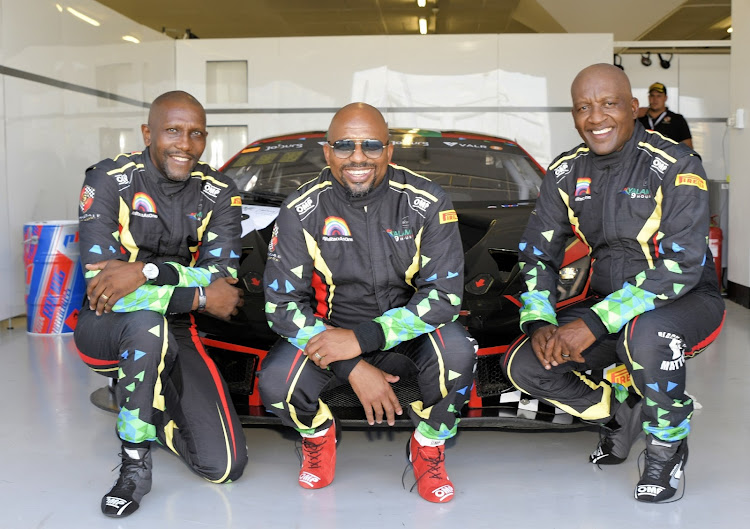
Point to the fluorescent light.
(729, 29)
(421, 3)
(131, 38)
(59, 7)
(82, 16)
(422, 26)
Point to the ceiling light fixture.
(131, 38)
(421, 3)
(422, 26)
(59, 7)
(729, 29)
(83, 17)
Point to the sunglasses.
(370, 148)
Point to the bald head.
(173, 98)
(604, 109)
(359, 115)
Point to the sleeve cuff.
(370, 336)
(343, 368)
(595, 325)
(529, 328)
(181, 301)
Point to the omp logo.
(562, 169)
(421, 203)
(649, 490)
(112, 501)
(308, 479)
(211, 190)
(304, 206)
(443, 493)
(659, 165)
(448, 216)
(122, 179)
(690, 179)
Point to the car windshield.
(471, 169)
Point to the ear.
(146, 132)
(634, 105)
(389, 151)
(327, 152)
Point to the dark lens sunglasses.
(345, 148)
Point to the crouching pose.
(364, 271)
(640, 203)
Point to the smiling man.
(640, 203)
(355, 303)
(160, 237)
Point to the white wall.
(55, 125)
(739, 148)
(517, 86)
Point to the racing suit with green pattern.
(389, 266)
(168, 388)
(643, 212)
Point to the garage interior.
(72, 93)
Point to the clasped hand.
(554, 345)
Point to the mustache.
(355, 165)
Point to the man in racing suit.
(364, 276)
(159, 237)
(640, 203)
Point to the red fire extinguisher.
(714, 244)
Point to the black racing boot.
(618, 435)
(665, 464)
(134, 483)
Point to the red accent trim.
(232, 347)
(96, 362)
(498, 349)
(440, 335)
(711, 337)
(217, 380)
(320, 289)
(632, 327)
(656, 246)
(511, 347)
(575, 250)
(516, 302)
(291, 368)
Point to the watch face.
(150, 270)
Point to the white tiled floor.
(58, 451)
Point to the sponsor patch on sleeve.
(690, 179)
(87, 198)
(448, 216)
(236, 201)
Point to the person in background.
(659, 118)
(363, 283)
(160, 238)
(640, 203)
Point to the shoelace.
(655, 470)
(433, 468)
(128, 474)
(311, 448)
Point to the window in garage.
(223, 142)
(226, 82)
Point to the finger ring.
(565, 356)
(105, 296)
(317, 355)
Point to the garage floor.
(58, 452)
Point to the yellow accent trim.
(402, 168)
(320, 264)
(626, 343)
(321, 185)
(412, 188)
(229, 451)
(657, 151)
(662, 136)
(579, 151)
(441, 365)
(324, 413)
(169, 429)
(573, 219)
(104, 370)
(201, 230)
(418, 407)
(651, 227)
(414, 266)
(126, 238)
(209, 177)
(159, 403)
(126, 166)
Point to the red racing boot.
(433, 483)
(318, 460)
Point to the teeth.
(603, 131)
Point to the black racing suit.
(168, 388)
(643, 212)
(389, 266)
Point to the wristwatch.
(151, 271)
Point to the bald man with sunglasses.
(363, 283)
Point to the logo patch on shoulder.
(690, 179)
(87, 198)
(236, 201)
(448, 216)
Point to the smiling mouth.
(601, 131)
(358, 173)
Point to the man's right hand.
(373, 388)
(222, 299)
(539, 344)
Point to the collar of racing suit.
(166, 186)
(373, 196)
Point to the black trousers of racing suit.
(445, 359)
(168, 388)
(653, 348)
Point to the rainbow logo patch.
(582, 186)
(336, 227)
(143, 203)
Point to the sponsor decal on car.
(448, 216)
(469, 145)
(690, 179)
(87, 198)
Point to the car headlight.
(572, 278)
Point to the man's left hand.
(332, 345)
(568, 342)
(115, 280)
